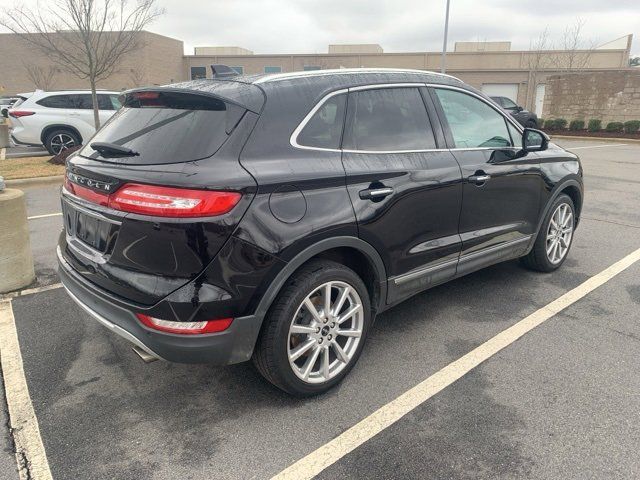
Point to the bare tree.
(41, 77)
(537, 59)
(576, 51)
(136, 77)
(88, 37)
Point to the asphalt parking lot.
(561, 402)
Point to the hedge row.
(632, 126)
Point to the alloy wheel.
(559, 233)
(325, 332)
(61, 142)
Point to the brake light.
(172, 202)
(185, 328)
(20, 113)
(160, 201)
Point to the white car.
(58, 120)
(5, 104)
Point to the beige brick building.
(490, 66)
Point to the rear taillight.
(161, 201)
(185, 328)
(172, 202)
(20, 113)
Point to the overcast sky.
(308, 26)
(302, 26)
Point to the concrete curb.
(35, 181)
(598, 139)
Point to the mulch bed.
(585, 133)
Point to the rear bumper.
(234, 345)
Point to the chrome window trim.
(508, 118)
(293, 140)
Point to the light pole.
(443, 66)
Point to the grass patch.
(28, 167)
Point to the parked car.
(59, 120)
(272, 217)
(5, 105)
(524, 117)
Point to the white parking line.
(599, 146)
(30, 453)
(35, 217)
(314, 463)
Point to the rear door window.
(324, 129)
(167, 127)
(389, 119)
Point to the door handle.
(479, 179)
(375, 193)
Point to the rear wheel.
(60, 139)
(554, 238)
(315, 330)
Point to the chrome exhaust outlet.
(144, 355)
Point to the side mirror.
(534, 140)
(519, 108)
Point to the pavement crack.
(23, 464)
(631, 225)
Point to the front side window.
(473, 123)
(509, 104)
(324, 129)
(389, 119)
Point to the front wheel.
(315, 331)
(554, 238)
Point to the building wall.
(157, 61)
(608, 96)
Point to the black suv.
(524, 117)
(272, 217)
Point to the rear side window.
(389, 119)
(324, 129)
(108, 102)
(167, 127)
(57, 101)
(473, 123)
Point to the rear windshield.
(167, 127)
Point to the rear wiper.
(113, 150)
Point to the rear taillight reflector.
(20, 113)
(185, 328)
(161, 201)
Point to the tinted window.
(108, 102)
(506, 103)
(198, 72)
(57, 101)
(389, 119)
(324, 129)
(472, 122)
(168, 128)
(82, 101)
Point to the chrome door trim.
(422, 271)
(495, 248)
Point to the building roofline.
(274, 77)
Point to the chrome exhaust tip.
(144, 355)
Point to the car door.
(81, 115)
(501, 184)
(405, 187)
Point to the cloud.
(308, 26)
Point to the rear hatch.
(155, 194)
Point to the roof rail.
(222, 71)
(314, 73)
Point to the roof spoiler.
(222, 71)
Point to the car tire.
(552, 244)
(61, 137)
(290, 327)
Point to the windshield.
(166, 127)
